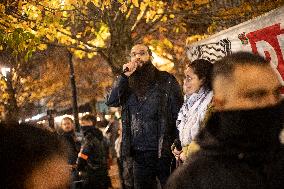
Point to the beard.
(143, 78)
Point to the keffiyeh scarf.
(192, 114)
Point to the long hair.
(203, 69)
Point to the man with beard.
(150, 101)
(240, 146)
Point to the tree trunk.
(11, 108)
(74, 91)
(121, 44)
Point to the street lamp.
(4, 71)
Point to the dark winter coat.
(235, 156)
(74, 147)
(92, 159)
(148, 124)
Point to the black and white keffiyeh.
(192, 114)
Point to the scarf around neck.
(192, 113)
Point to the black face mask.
(86, 129)
(256, 128)
(69, 133)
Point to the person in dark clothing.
(92, 159)
(150, 101)
(239, 146)
(67, 131)
(32, 158)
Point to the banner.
(263, 35)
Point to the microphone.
(125, 70)
(177, 144)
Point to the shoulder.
(201, 172)
(167, 80)
(166, 76)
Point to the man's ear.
(219, 102)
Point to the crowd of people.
(224, 132)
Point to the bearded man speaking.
(150, 101)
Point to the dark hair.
(89, 117)
(203, 69)
(66, 118)
(22, 149)
(226, 66)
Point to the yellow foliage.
(42, 46)
(80, 54)
(200, 2)
(91, 55)
(164, 19)
(195, 38)
(135, 3)
(168, 43)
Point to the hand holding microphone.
(130, 67)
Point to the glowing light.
(107, 117)
(62, 2)
(4, 71)
(162, 63)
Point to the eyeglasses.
(141, 53)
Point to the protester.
(240, 146)
(150, 101)
(32, 158)
(92, 159)
(67, 131)
(112, 134)
(117, 149)
(197, 105)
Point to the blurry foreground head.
(249, 111)
(32, 158)
(244, 81)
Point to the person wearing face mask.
(196, 107)
(239, 146)
(93, 156)
(150, 101)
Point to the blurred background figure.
(92, 162)
(32, 158)
(196, 107)
(67, 131)
(111, 132)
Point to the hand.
(182, 156)
(176, 153)
(132, 66)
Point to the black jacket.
(148, 124)
(74, 147)
(92, 159)
(235, 155)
